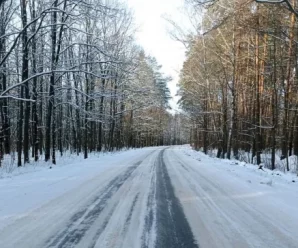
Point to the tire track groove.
(83, 220)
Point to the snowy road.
(162, 198)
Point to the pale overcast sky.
(153, 35)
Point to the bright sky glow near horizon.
(154, 37)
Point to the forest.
(72, 78)
(239, 82)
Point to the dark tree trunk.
(291, 138)
(258, 149)
(52, 87)
(100, 131)
(54, 131)
(113, 110)
(25, 75)
(86, 127)
(60, 136)
(296, 135)
(5, 130)
(55, 54)
(225, 121)
(20, 128)
(130, 131)
(35, 140)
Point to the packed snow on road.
(151, 197)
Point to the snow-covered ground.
(280, 164)
(152, 197)
(247, 170)
(27, 188)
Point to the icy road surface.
(164, 198)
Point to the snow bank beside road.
(248, 172)
(10, 169)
